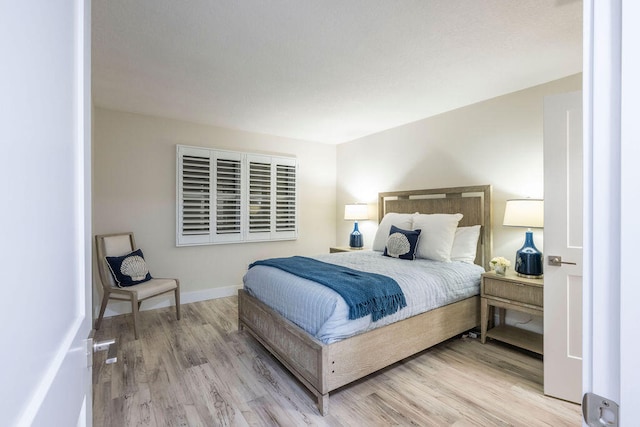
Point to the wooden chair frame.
(129, 293)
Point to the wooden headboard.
(473, 202)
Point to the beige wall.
(497, 142)
(134, 189)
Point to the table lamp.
(356, 212)
(526, 213)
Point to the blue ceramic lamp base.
(529, 259)
(355, 238)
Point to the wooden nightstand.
(343, 249)
(514, 293)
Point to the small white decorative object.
(500, 264)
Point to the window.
(232, 197)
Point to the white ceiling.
(325, 70)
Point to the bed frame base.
(326, 367)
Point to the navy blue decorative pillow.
(402, 243)
(130, 269)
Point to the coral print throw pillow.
(130, 269)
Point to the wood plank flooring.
(201, 371)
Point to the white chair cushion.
(152, 287)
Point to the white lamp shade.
(355, 212)
(524, 213)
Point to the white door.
(629, 207)
(45, 171)
(612, 156)
(563, 238)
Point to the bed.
(324, 367)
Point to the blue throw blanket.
(365, 293)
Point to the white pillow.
(465, 244)
(438, 233)
(400, 220)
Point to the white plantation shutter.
(259, 196)
(286, 220)
(232, 197)
(194, 196)
(228, 197)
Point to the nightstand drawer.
(514, 291)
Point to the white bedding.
(323, 313)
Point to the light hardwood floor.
(201, 371)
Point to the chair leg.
(135, 305)
(177, 292)
(103, 307)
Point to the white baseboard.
(116, 308)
